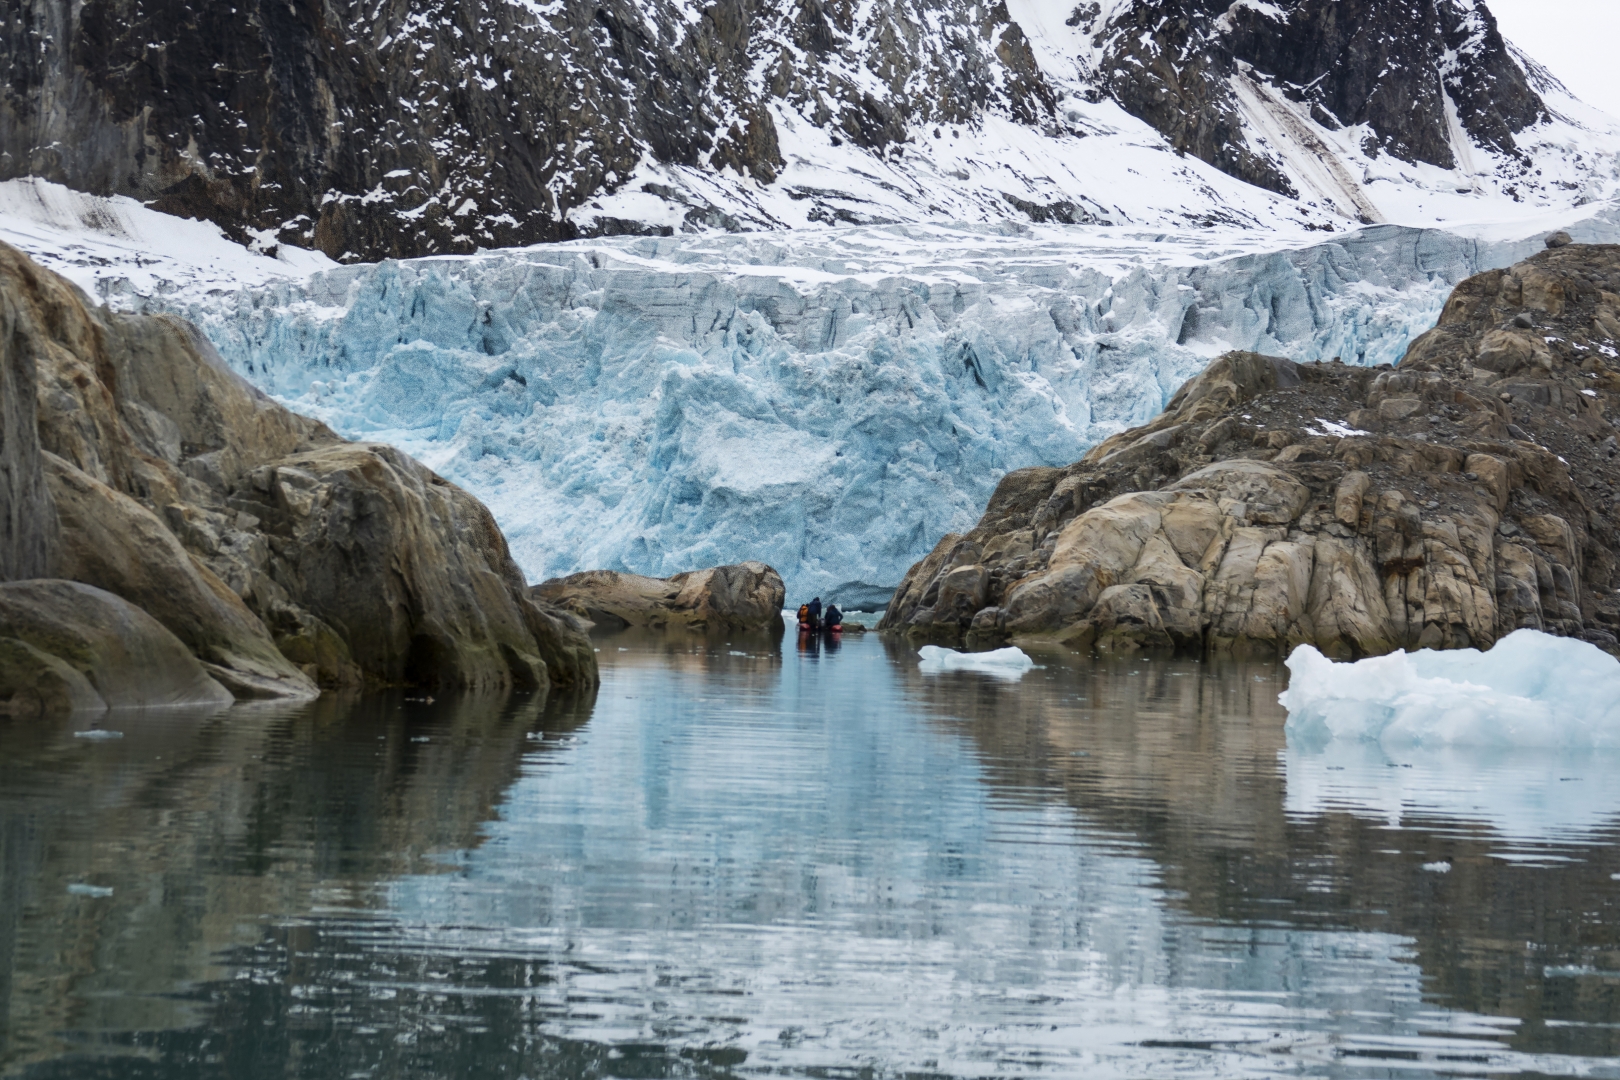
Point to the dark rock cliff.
(1388, 64)
(400, 128)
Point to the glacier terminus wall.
(828, 401)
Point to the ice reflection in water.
(749, 859)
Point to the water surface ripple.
(752, 859)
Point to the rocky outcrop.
(283, 556)
(746, 596)
(67, 647)
(1444, 502)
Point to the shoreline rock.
(284, 557)
(744, 596)
(1443, 503)
(69, 647)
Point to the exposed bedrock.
(745, 596)
(283, 557)
(68, 647)
(1444, 502)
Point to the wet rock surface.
(1442, 503)
(284, 557)
(69, 647)
(744, 596)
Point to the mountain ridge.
(412, 127)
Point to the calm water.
(747, 860)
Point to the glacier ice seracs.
(830, 401)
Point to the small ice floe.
(1009, 663)
(99, 892)
(98, 734)
(1441, 867)
(1338, 431)
(1530, 690)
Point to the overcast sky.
(1574, 39)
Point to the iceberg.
(1529, 690)
(1009, 663)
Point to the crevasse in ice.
(830, 402)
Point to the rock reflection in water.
(772, 857)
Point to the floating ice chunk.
(99, 892)
(1009, 663)
(1437, 867)
(1530, 689)
(98, 734)
(1338, 431)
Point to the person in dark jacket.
(815, 613)
(834, 619)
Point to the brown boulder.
(114, 543)
(744, 596)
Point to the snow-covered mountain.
(404, 127)
(881, 251)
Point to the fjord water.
(755, 858)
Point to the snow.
(1010, 663)
(1529, 690)
(1334, 429)
(117, 246)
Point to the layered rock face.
(281, 555)
(407, 128)
(1460, 495)
(745, 596)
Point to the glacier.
(828, 400)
